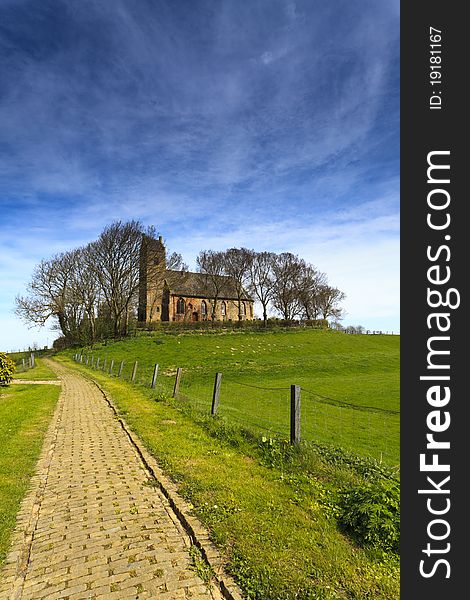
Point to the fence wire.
(264, 409)
(364, 430)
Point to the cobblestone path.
(92, 526)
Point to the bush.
(371, 514)
(61, 343)
(7, 368)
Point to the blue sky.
(267, 124)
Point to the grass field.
(25, 412)
(350, 383)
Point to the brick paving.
(94, 525)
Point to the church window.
(203, 308)
(180, 307)
(242, 309)
(223, 309)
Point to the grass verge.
(40, 372)
(25, 413)
(271, 509)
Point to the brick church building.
(166, 295)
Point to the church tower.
(151, 279)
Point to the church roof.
(200, 285)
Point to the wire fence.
(269, 411)
(365, 430)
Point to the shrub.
(7, 368)
(371, 514)
(61, 343)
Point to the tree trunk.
(116, 327)
(91, 318)
(63, 324)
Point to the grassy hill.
(350, 383)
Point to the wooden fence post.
(98, 362)
(121, 366)
(216, 394)
(111, 367)
(294, 414)
(134, 371)
(92, 362)
(104, 364)
(87, 360)
(176, 389)
(154, 377)
(32, 360)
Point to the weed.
(371, 514)
(199, 565)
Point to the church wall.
(193, 309)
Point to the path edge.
(197, 533)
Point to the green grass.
(40, 372)
(269, 507)
(25, 412)
(350, 383)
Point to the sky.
(267, 124)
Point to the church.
(166, 295)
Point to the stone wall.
(152, 279)
(194, 309)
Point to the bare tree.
(116, 267)
(49, 294)
(237, 263)
(211, 263)
(311, 282)
(86, 290)
(288, 272)
(328, 302)
(175, 262)
(262, 281)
